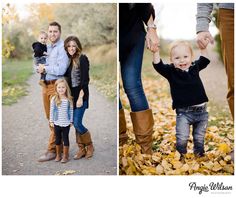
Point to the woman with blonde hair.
(77, 76)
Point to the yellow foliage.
(159, 169)
(184, 168)
(223, 147)
(156, 158)
(165, 159)
(165, 164)
(209, 165)
(227, 158)
(66, 172)
(177, 155)
(7, 48)
(124, 161)
(9, 14)
(151, 170)
(216, 167)
(46, 11)
(139, 157)
(229, 169)
(195, 166)
(213, 128)
(176, 164)
(222, 163)
(132, 170)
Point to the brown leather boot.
(123, 137)
(81, 153)
(58, 153)
(143, 128)
(86, 139)
(65, 157)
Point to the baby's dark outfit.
(39, 56)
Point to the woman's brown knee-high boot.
(86, 139)
(81, 152)
(143, 128)
(58, 153)
(123, 137)
(65, 157)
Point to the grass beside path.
(15, 73)
(103, 75)
(104, 79)
(103, 69)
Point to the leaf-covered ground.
(165, 160)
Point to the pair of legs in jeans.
(141, 115)
(78, 118)
(131, 76)
(83, 137)
(184, 120)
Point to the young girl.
(187, 92)
(61, 118)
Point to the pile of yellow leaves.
(165, 160)
(66, 172)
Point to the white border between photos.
(107, 186)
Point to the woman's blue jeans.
(78, 118)
(131, 76)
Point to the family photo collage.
(115, 90)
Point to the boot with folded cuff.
(143, 129)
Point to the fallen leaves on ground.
(165, 160)
(66, 172)
(10, 94)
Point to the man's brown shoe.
(47, 157)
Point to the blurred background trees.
(8, 15)
(94, 24)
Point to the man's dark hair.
(54, 23)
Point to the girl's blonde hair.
(177, 43)
(75, 58)
(57, 98)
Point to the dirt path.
(25, 136)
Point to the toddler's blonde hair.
(43, 32)
(180, 42)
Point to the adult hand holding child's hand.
(152, 40)
(203, 39)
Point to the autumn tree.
(40, 16)
(94, 24)
(8, 16)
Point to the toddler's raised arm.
(204, 52)
(156, 57)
